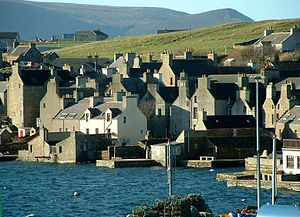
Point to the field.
(218, 38)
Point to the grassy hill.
(201, 41)
(42, 19)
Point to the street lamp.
(257, 142)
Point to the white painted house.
(123, 120)
(291, 156)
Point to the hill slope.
(203, 40)
(43, 20)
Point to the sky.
(255, 9)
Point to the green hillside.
(217, 38)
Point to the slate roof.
(9, 35)
(276, 38)
(229, 121)
(292, 116)
(192, 67)
(3, 86)
(235, 70)
(134, 85)
(169, 94)
(80, 107)
(223, 91)
(294, 80)
(246, 43)
(91, 32)
(138, 72)
(117, 64)
(32, 77)
(78, 62)
(20, 50)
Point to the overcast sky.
(255, 9)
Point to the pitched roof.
(76, 63)
(235, 70)
(9, 35)
(3, 86)
(138, 72)
(91, 32)
(134, 85)
(20, 50)
(224, 91)
(169, 94)
(292, 116)
(229, 121)
(32, 77)
(276, 38)
(192, 67)
(294, 80)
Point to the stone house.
(156, 104)
(126, 85)
(8, 39)
(243, 104)
(180, 110)
(193, 67)
(121, 119)
(288, 126)
(214, 98)
(90, 35)
(280, 41)
(23, 54)
(64, 147)
(5, 136)
(3, 97)
(25, 89)
(291, 156)
(269, 114)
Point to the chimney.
(117, 56)
(137, 62)
(243, 81)
(183, 85)
(82, 70)
(67, 67)
(295, 30)
(204, 83)
(117, 78)
(271, 91)
(81, 81)
(148, 77)
(213, 57)
(129, 58)
(268, 31)
(167, 58)
(89, 58)
(77, 94)
(119, 96)
(67, 101)
(15, 44)
(31, 45)
(95, 100)
(149, 57)
(53, 71)
(286, 91)
(244, 94)
(188, 54)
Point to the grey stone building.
(25, 89)
(8, 39)
(25, 53)
(90, 35)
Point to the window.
(30, 148)
(298, 162)
(159, 112)
(195, 112)
(60, 149)
(187, 103)
(171, 81)
(278, 106)
(73, 128)
(44, 105)
(141, 131)
(272, 119)
(87, 131)
(19, 85)
(97, 130)
(67, 129)
(87, 117)
(296, 133)
(124, 120)
(60, 130)
(290, 162)
(108, 117)
(195, 99)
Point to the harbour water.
(46, 190)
